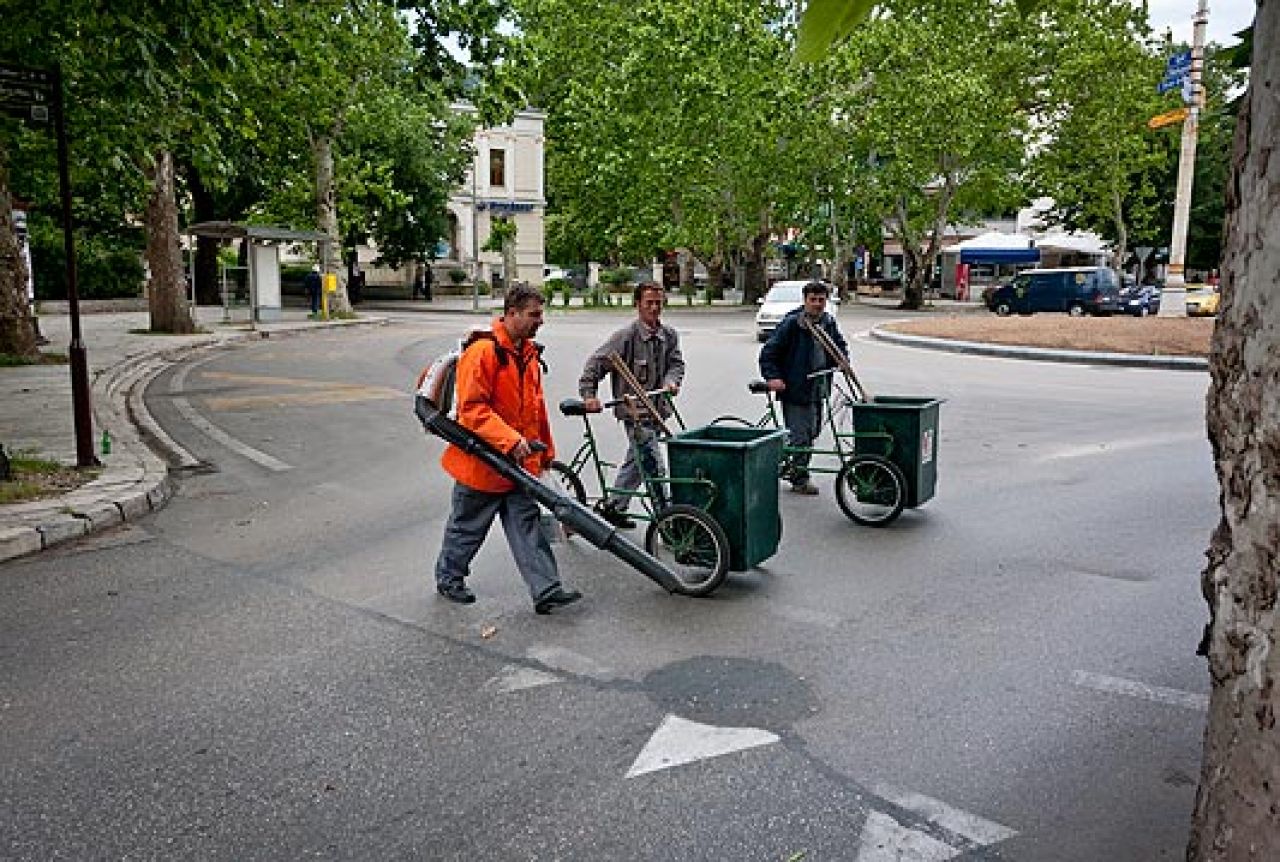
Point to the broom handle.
(833, 352)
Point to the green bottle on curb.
(106, 442)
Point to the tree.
(17, 327)
(658, 142)
(1097, 159)
(1239, 793)
(941, 134)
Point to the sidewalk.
(36, 417)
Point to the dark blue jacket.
(792, 353)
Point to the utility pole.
(475, 241)
(1173, 299)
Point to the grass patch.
(199, 330)
(8, 360)
(35, 478)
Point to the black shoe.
(618, 518)
(456, 591)
(557, 598)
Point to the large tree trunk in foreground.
(17, 328)
(1237, 813)
(167, 289)
(327, 221)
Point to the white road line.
(514, 677)
(954, 820)
(176, 384)
(678, 741)
(807, 616)
(570, 662)
(1132, 688)
(1114, 447)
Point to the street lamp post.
(475, 242)
(1174, 295)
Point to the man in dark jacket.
(787, 361)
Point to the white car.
(783, 297)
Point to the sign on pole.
(26, 93)
(1168, 118)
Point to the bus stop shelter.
(264, 241)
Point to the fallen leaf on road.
(487, 632)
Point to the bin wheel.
(567, 481)
(871, 490)
(691, 544)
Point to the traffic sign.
(1172, 81)
(1168, 118)
(26, 93)
(1179, 62)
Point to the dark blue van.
(1077, 290)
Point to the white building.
(505, 181)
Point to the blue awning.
(1000, 255)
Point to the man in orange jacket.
(499, 398)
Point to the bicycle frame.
(653, 492)
(836, 400)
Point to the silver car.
(783, 297)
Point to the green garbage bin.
(743, 465)
(904, 429)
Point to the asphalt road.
(262, 669)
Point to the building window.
(498, 168)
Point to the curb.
(1042, 354)
(136, 481)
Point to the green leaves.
(827, 22)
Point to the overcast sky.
(1226, 17)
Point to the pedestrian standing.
(787, 360)
(500, 399)
(651, 350)
(313, 284)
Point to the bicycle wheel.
(691, 544)
(566, 481)
(871, 490)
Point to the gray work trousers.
(641, 438)
(804, 425)
(470, 518)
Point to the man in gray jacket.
(651, 349)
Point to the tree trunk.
(167, 289)
(327, 221)
(754, 280)
(1237, 811)
(208, 291)
(17, 327)
(1122, 234)
(912, 289)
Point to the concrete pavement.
(36, 418)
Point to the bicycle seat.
(758, 387)
(573, 407)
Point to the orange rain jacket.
(501, 400)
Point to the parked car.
(1139, 299)
(1077, 290)
(1202, 300)
(783, 297)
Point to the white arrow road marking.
(678, 741)
(962, 823)
(514, 677)
(1159, 694)
(886, 840)
(176, 384)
